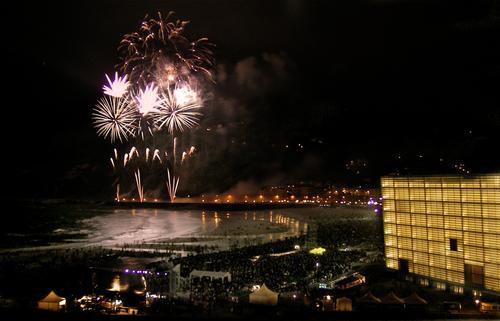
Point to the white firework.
(179, 110)
(117, 192)
(172, 184)
(148, 100)
(156, 155)
(185, 95)
(118, 87)
(115, 118)
(133, 151)
(140, 187)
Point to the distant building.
(445, 230)
(350, 281)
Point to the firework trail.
(147, 154)
(174, 151)
(118, 192)
(140, 187)
(116, 153)
(112, 163)
(172, 184)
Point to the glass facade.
(444, 227)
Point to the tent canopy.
(210, 274)
(392, 298)
(52, 302)
(264, 296)
(317, 251)
(52, 297)
(369, 298)
(343, 304)
(414, 299)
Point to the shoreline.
(208, 206)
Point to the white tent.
(213, 275)
(264, 296)
(52, 302)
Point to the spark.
(133, 151)
(184, 154)
(114, 118)
(156, 154)
(125, 159)
(147, 154)
(116, 153)
(192, 150)
(112, 162)
(148, 100)
(118, 87)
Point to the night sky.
(315, 90)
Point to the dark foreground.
(249, 313)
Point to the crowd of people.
(256, 265)
(285, 265)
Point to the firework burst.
(155, 88)
(160, 47)
(148, 100)
(179, 110)
(118, 87)
(115, 118)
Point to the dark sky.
(373, 86)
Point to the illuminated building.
(445, 230)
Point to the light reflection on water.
(145, 225)
(115, 227)
(211, 222)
